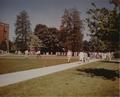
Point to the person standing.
(109, 56)
(69, 55)
(81, 56)
(26, 53)
(86, 59)
(38, 53)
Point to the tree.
(34, 42)
(71, 30)
(41, 32)
(116, 4)
(86, 46)
(102, 23)
(6, 45)
(22, 30)
(48, 37)
(54, 42)
(3, 46)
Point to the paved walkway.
(15, 77)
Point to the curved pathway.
(15, 77)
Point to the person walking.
(81, 56)
(69, 55)
(86, 59)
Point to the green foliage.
(48, 37)
(104, 28)
(87, 46)
(22, 29)
(34, 41)
(71, 30)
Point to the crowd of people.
(82, 56)
(37, 53)
(86, 56)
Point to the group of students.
(86, 56)
(38, 53)
(83, 57)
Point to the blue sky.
(47, 12)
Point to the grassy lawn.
(20, 63)
(98, 79)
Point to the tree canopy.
(48, 37)
(71, 30)
(103, 26)
(22, 29)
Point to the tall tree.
(71, 30)
(54, 42)
(22, 29)
(41, 31)
(103, 27)
(116, 4)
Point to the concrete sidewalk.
(15, 77)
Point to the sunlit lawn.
(19, 63)
(99, 79)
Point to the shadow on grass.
(101, 72)
(112, 61)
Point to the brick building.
(4, 32)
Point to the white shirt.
(69, 53)
(38, 52)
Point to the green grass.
(69, 83)
(19, 63)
